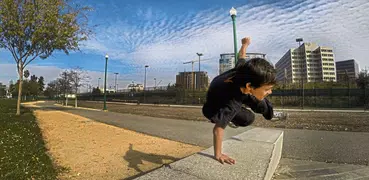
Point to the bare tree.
(79, 78)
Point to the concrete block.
(165, 173)
(257, 153)
(252, 160)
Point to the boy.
(248, 83)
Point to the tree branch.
(30, 60)
(12, 50)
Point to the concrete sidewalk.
(257, 153)
(191, 132)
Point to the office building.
(226, 61)
(307, 63)
(347, 69)
(200, 80)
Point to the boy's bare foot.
(225, 159)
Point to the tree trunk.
(75, 100)
(20, 72)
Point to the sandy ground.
(92, 150)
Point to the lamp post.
(199, 78)
(155, 83)
(302, 75)
(299, 40)
(115, 85)
(146, 66)
(233, 14)
(106, 69)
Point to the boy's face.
(261, 92)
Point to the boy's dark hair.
(256, 71)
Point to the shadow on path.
(135, 158)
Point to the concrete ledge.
(257, 153)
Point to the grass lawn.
(23, 154)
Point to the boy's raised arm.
(245, 44)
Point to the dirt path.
(92, 150)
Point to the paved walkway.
(312, 170)
(319, 146)
(191, 132)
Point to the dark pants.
(244, 118)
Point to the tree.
(11, 87)
(26, 74)
(78, 78)
(96, 91)
(41, 84)
(52, 89)
(363, 80)
(37, 28)
(33, 86)
(2, 91)
(65, 84)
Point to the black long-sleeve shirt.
(224, 100)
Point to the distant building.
(200, 80)
(352, 68)
(135, 87)
(226, 61)
(309, 62)
(3, 90)
(2, 86)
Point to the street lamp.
(146, 66)
(199, 54)
(116, 82)
(233, 14)
(155, 83)
(299, 40)
(303, 68)
(106, 69)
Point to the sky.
(166, 33)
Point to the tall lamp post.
(155, 83)
(199, 78)
(233, 14)
(303, 68)
(115, 85)
(146, 66)
(106, 69)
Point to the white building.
(136, 87)
(307, 63)
(226, 61)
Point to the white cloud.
(165, 42)
(170, 41)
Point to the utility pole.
(284, 85)
(116, 82)
(155, 84)
(146, 66)
(299, 40)
(199, 54)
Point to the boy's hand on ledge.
(225, 159)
